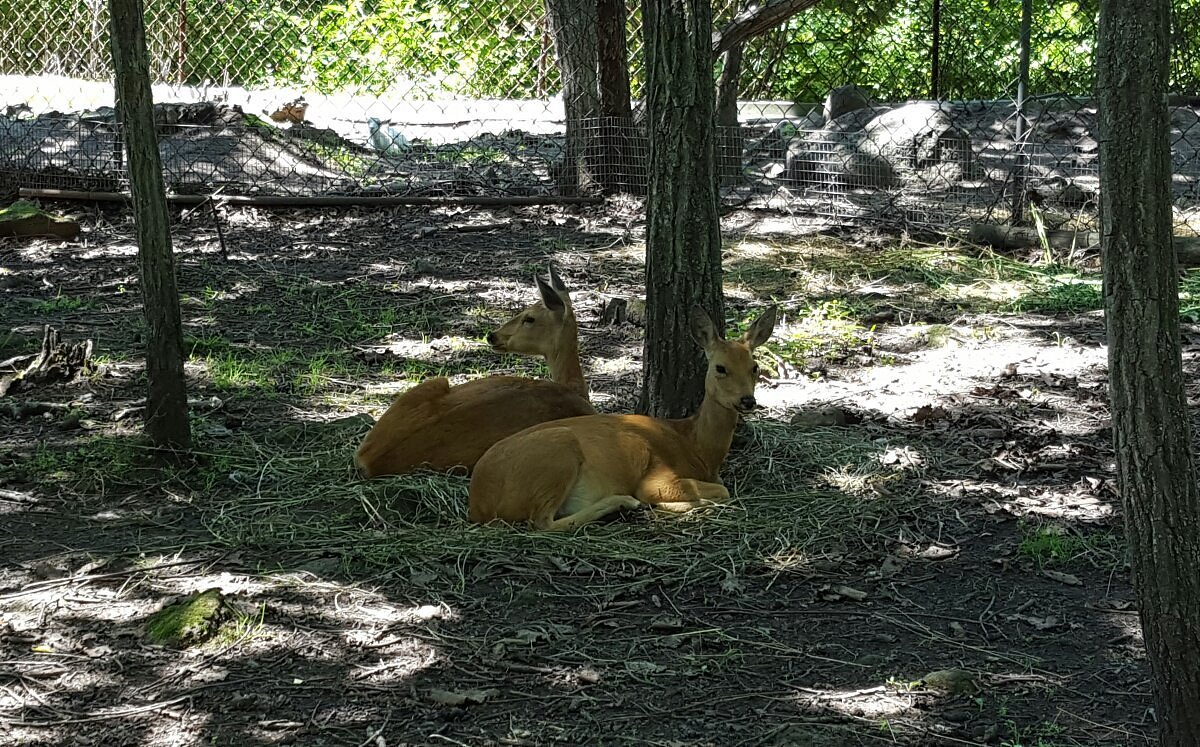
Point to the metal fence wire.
(938, 113)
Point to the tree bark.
(613, 56)
(683, 241)
(1150, 416)
(573, 23)
(624, 166)
(166, 406)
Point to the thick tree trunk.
(166, 407)
(574, 25)
(621, 150)
(1150, 417)
(683, 241)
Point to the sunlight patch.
(401, 657)
(870, 703)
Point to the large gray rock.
(832, 156)
(922, 145)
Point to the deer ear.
(760, 331)
(702, 328)
(557, 283)
(550, 297)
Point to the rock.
(188, 622)
(833, 155)
(951, 681)
(844, 99)
(823, 417)
(24, 218)
(921, 144)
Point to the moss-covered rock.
(24, 218)
(190, 621)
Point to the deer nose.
(747, 403)
(493, 339)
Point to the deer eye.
(756, 368)
(721, 370)
(527, 320)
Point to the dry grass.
(801, 497)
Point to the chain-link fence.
(524, 99)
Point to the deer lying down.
(441, 427)
(562, 475)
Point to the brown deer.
(441, 427)
(562, 475)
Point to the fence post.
(1022, 125)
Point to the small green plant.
(242, 626)
(1189, 296)
(1061, 295)
(61, 303)
(1049, 544)
(826, 330)
(206, 345)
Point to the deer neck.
(712, 432)
(565, 367)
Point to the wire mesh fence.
(938, 113)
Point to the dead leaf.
(1049, 622)
(929, 413)
(731, 584)
(1063, 578)
(466, 697)
(666, 623)
(837, 593)
(937, 552)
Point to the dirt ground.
(924, 547)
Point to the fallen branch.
(1004, 236)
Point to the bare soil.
(958, 514)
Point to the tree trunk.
(574, 25)
(623, 166)
(613, 57)
(166, 407)
(729, 138)
(683, 240)
(1150, 416)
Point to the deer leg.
(680, 494)
(597, 510)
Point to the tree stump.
(56, 361)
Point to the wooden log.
(1003, 236)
